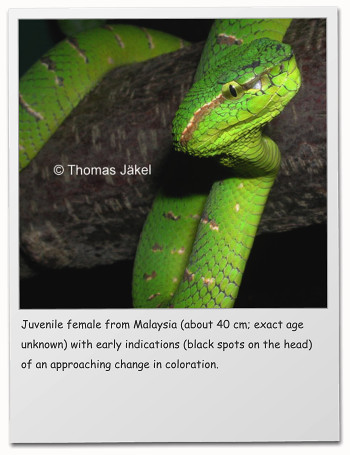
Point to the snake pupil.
(232, 90)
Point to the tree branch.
(80, 221)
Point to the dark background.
(295, 262)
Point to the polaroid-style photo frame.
(112, 316)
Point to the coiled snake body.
(193, 248)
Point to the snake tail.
(59, 80)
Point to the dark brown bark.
(80, 221)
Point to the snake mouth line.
(197, 117)
(204, 110)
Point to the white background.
(344, 17)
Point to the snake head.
(248, 86)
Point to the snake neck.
(252, 155)
(228, 225)
(209, 272)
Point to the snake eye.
(232, 90)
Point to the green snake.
(194, 247)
